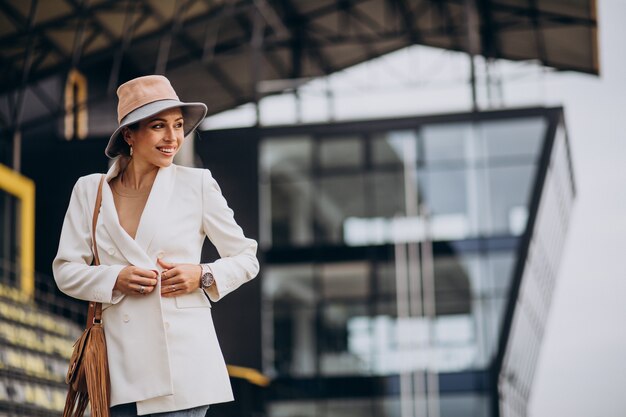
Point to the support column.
(473, 45)
(256, 44)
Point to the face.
(157, 139)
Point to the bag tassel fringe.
(97, 374)
(91, 384)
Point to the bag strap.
(94, 314)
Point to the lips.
(167, 150)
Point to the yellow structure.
(24, 190)
(251, 375)
(76, 119)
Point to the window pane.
(394, 148)
(445, 142)
(286, 205)
(291, 212)
(445, 194)
(387, 194)
(341, 152)
(517, 137)
(345, 280)
(386, 280)
(286, 158)
(338, 198)
(452, 286)
(337, 355)
(290, 307)
(445, 191)
(501, 271)
(507, 197)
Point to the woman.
(163, 353)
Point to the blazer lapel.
(154, 213)
(129, 248)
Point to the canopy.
(217, 51)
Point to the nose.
(171, 134)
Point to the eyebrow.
(158, 119)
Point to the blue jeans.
(130, 410)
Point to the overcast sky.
(582, 367)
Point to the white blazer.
(163, 352)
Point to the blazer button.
(111, 251)
(167, 325)
(161, 254)
(126, 318)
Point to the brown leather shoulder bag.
(88, 373)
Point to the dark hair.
(133, 126)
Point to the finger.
(172, 290)
(141, 289)
(148, 273)
(148, 282)
(172, 285)
(173, 274)
(168, 273)
(166, 265)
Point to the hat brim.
(193, 114)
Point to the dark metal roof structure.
(216, 51)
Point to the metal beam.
(127, 34)
(166, 40)
(365, 21)
(274, 61)
(211, 34)
(56, 23)
(196, 52)
(28, 61)
(300, 23)
(452, 29)
(489, 35)
(88, 12)
(408, 18)
(362, 17)
(271, 18)
(77, 47)
(539, 40)
(20, 21)
(99, 56)
(53, 105)
(556, 17)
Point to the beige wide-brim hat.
(143, 97)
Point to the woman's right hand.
(133, 280)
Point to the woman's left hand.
(179, 279)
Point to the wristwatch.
(206, 279)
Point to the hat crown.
(141, 91)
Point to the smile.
(167, 151)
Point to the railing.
(36, 340)
(34, 345)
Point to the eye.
(157, 125)
(179, 125)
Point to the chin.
(165, 164)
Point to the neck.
(137, 175)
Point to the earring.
(131, 150)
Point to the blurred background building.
(408, 260)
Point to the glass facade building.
(396, 258)
(407, 264)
